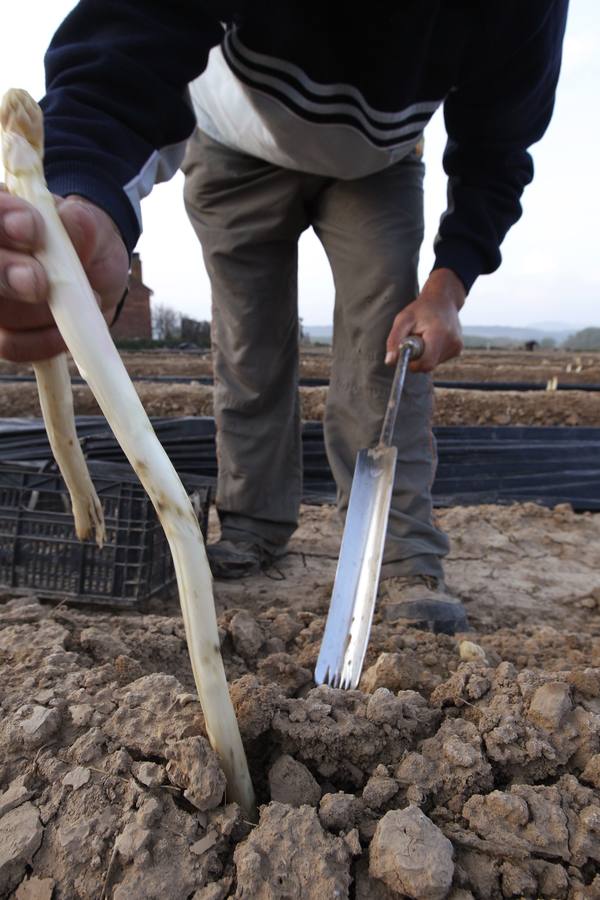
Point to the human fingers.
(22, 278)
(31, 345)
(81, 226)
(437, 324)
(21, 226)
(441, 343)
(100, 247)
(404, 325)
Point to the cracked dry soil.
(440, 777)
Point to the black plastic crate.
(39, 549)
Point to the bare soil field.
(473, 776)
(315, 362)
(468, 771)
(511, 365)
(472, 365)
(452, 407)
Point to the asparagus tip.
(20, 114)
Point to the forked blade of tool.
(348, 625)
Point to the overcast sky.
(551, 268)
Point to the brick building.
(135, 321)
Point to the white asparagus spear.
(85, 333)
(56, 400)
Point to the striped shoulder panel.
(327, 104)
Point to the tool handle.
(411, 347)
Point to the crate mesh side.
(39, 548)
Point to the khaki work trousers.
(249, 215)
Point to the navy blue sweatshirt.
(352, 89)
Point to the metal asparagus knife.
(350, 615)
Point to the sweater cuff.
(74, 178)
(462, 258)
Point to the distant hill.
(554, 326)
(320, 334)
(558, 331)
(524, 333)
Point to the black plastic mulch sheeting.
(514, 386)
(161, 379)
(477, 464)
(324, 382)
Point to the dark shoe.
(422, 601)
(237, 559)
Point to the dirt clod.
(379, 789)
(339, 812)
(386, 672)
(77, 777)
(194, 766)
(472, 652)
(411, 855)
(132, 841)
(246, 634)
(20, 836)
(289, 855)
(35, 889)
(591, 773)
(149, 773)
(36, 724)
(550, 704)
(291, 782)
(16, 793)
